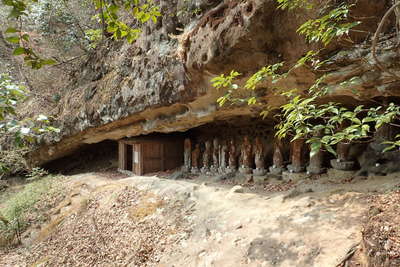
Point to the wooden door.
(153, 157)
(173, 154)
(122, 163)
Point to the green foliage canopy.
(109, 16)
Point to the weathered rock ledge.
(162, 82)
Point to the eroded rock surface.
(162, 82)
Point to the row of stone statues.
(228, 156)
(222, 157)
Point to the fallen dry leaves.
(116, 232)
(381, 234)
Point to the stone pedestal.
(223, 170)
(295, 168)
(260, 179)
(245, 170)
(185, 169)
(214, 169)
(342, 165)
(231, 169)
(315, 169)
(276, 170)
(291, 176)
(195, 170)
(259, 171)
(204, 170)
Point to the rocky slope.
(148, 221)
(162, 82)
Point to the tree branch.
(376, 38)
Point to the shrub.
(14, 217)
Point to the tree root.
(349, 254)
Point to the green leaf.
(19, 51)
(25, 37)
(48, 61)
(13, 39)
(252, 101)
(330, 150)
(11, 30)
(389, 148)
(368, 119)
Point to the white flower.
(25, 130)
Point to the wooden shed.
(149, 154)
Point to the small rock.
(310, 204)
(236, 241)
(237, 189)
(202, 253)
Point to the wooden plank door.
(173, 154)
(153, 157)
(122, 163)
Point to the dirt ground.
(149, 221)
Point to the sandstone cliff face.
(162, 82)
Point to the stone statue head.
(208, 144)
(187, 142)
(216, 142)
(258, 141)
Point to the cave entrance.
(98, 158)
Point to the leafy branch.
(109, 12)
(23, 131)
(109, 15)
(326, 28)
